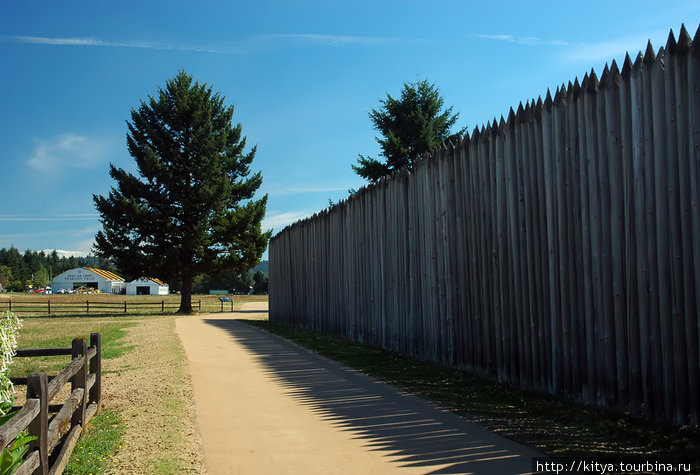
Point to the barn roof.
(104, 273)
(153, 279)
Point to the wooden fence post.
(37, 388)
(162, 306)
(200, 304)
(79, 350)
(124, 306)
(96, 369)
(10, 305)
(48, 302)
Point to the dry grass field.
(31, 305)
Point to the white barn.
(147, 286)
(91, 278)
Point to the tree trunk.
(186, 295)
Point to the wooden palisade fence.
(57, 427)
(558, 249)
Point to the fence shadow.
(412, 432)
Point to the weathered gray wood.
(694, 158)
(30, 464)
(541, 266)
(676, 286)
(689, 137)
(559, 250)
(576, 287)
(553, 274)
(95, 395)
(32, 352)
(630, 244)
(642, 275)
(79, 380)
(63, 377)
(652, 242)
(66, 450)
(62, 421)
(37, 388)
(586, 146)
(611, 91)
(608, 380)
(11, 429)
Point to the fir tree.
(410, 126)
(190, 210)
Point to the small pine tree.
(410, 126)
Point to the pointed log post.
(37, 388)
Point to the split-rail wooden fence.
(57, 426)
(557, 249)
(79, 307)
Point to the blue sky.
(302, 76)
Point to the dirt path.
(149, 385)
(265, 405)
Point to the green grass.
(556, 427)
(102, 437)
(98, 444)
(53, 333)
(103, 305)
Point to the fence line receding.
(557, 249)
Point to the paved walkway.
(265, 405)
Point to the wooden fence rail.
(57, 427)
(56, 307)
(557, 249)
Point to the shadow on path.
(409, 430)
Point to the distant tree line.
(254, 281)
(35, 269)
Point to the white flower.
(9, 329)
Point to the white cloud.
(91, 41)
(523, 40)
(85, 246)
(303, 189)
(66, 151)
(331, 40)
(57, 217)
(64, 253)
(590, 53)
(615, 48)
(251, 44)
(278, 221)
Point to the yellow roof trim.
(104, 273)
(157, 281)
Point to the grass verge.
(99, 442)
(556, 427)
(146, 393)
(58, 333)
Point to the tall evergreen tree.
(410, 126)
(191, 209)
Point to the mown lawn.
(59, 333)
